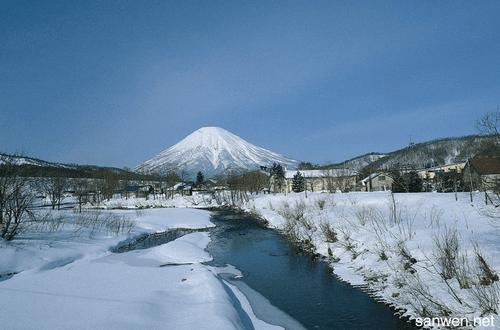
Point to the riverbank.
(276, 272)
(68, 277)
(425, 254)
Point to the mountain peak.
(210, 129)
(213, 151)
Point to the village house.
(183, 188)
(483, 173)
(324, 180)
(432, 172)
(377, 182)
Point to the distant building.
(430, 173)
(137, 191)
(377, 182)
(325, 180)
(483, 173)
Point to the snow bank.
(158, 220)
(117, 293)
(41, 248)
(390, 245)
(70, 280)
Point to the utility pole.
(470, 179)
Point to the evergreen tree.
(298, 182)
(278, 175)
(199, 179)
(415, 183)
(398, 184)
(407, 182)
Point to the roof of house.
(373, 176)
(486, 165)
(336, 172)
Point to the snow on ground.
(68, 279)
(76, 237)
(390, 245)
(117, 292)
(160, 219)
(68, 276)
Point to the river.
(303, 288)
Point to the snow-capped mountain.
(213, 151)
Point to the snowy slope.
(213, 151)
(433, 153)
(356, 163)
(23, 160)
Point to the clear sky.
(115, 82)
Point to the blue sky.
(115, 82)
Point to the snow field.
(69, 281)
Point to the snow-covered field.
(68, 279)
(425, 253)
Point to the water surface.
(303, 288)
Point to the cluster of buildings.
(480, 173)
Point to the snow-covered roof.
(335, 172)
(371, 177)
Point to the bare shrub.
(230, 197)
(48, 222)
(295, 214)
(320, 203)
(363, 214)
(328, 232)
(298, 228)
(486, 291)
(407, 259)
(405, 224)
(352, 200)
(486, 274)
(435, 215)
(139, 213)
(463, 271)
(487, 298)
(207, 199)
(421, 298)
(446, 249)
(348, 243)
(97, 221)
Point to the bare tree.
(109, 184)
(54, 189)
(338, 179)
(490, 124)
(81, 188)
(16, 198)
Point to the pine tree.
(298, 182)
(415, 183)
(278, 175)
(199, 179)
